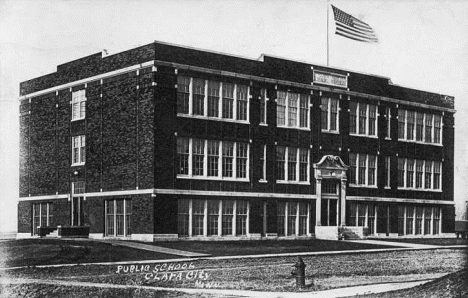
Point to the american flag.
(350, 27)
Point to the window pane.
(352, 117)
(228, 101)
(281, 108)
(263, 105)
(198, 97)
(410, 173)
(198, 148)
(410, 125)
(401, 172)
(241, 160)
(228, 157)
(352, 168)
(372, 170)
(292, 161)
(419, 173)
(241, 217)
(213, 98)
(401, 124)
(428, 131)
(372, 120)
(213, 216)
(242, 102)
(183, 154)
(333, 114)
(198, 211)
(428, 175)
(292, 216)
(213, 158)
(292, 109)
(183, 217)
(304, 163)
(304, 112)
(280, 217)
(303, 211)
(228, 213)
(362, 118)
(419, 126)
(280, 162)
(183, 94)
(324, 113)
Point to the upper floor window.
(330, 112)
(79, 104)
(207, 98)
(292, 164)
(362, 169)
(292, 110)
(419, 174)
(212, 159)
(263, 164)
(388, 118)
(78, 150)
(419, 127)
(363, 119)
(263, 106)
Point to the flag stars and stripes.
(353, 28)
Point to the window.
(79, 104)
(427, 220)
(118, 217)
(210, 159)
(418, 220)
(387, 172)
(183, 94)
(296, 167)
(419, 127)
(263, 164)
(183, 153)
(42, 216)
(388, 118)
(419, 174)
(362, 215)
(329, 107)
(409, 220)
(292, 110)
(363, 170)
(214, 99)
(222, 217)
(78, 150)
(292, 218)
(435, 220)
(263, 106)
(362, 119)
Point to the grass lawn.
(33, 252)
(430, 241)
(232, 248)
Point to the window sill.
(263, 124)
(363, 136)
(78, 164)
(420, 189)
(330, 131)
(78, 119)
(213, 178)
(419, 142)
(388, 139)
(263, 181)
(363, 186)
(291, 127)
(292, 182)
(212, 118)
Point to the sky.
(422, 45)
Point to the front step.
(53, 234)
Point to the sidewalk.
(341, 292)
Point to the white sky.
(423, 45)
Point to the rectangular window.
(292, 161)
(387, 172)
(263, 105)
(228, 159)
(242, 102)
(78, 150)
(419, 126)
(198, 97)
(410, 173)
(401, 172)
(419, 220)
(401, 124)
(198, 211)
(362, 119)
(437, 129)
(371, 172)
(79, 104)
(352, 215)
(372, 120)
(183, 94)
(118, 217)
(388, 120)
(427, 220)
(436, 220)
(303, 215)
(280, 162)
(371, 218)
(183, 217)
(428, 132)
(419, 173)
(401, 220)
(281, 108)
(362, 169)
(353, 108)
(409, 220)
(213, 99)
(410, 125)
(213, 217)
(304, 111)
(228, 101)
(329, 119)
(428, 175)
(263, 164)
(303, 165)
(292, 216)
(198, 154)
(241, 160)
(281, 217)
(213, 158)
(292, 109)
(352, 168)
(183, 153)
(42, 216)
(362, 213)
(228, 217)
(241, 217)
(437, 171)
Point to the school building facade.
(165, 142)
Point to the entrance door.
(330, 199)
(77, 211)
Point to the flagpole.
(328, 30)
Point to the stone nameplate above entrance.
(330, 78)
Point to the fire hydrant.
(299, 273)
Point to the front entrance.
(330, 200)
